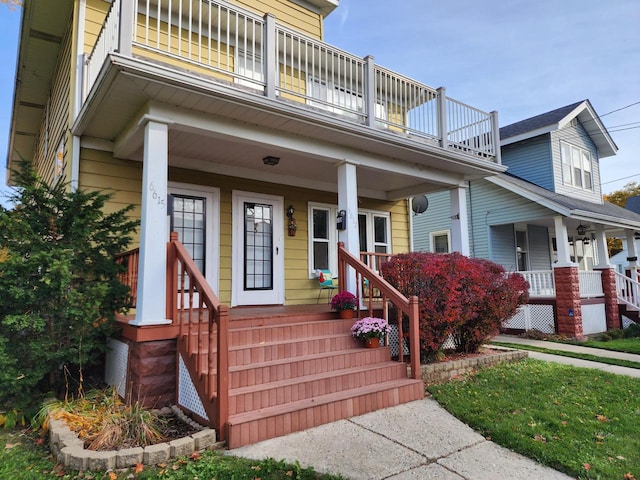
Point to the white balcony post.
(601, 247)
(459, 221)
(442, 116)
(632, 254)
(152, 265)
(125, 29)
(270, 56)
(370, 90)
(348, 201)
(562, 243)
(495, 127)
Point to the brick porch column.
(569, 310)
(610, 298)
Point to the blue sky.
(520, 57)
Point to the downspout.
(410, 214)
(78, 90)
(473, 240)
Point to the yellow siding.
(54, 128)
(95, 15)
(122, 178)
(287, 13)
(98, 170)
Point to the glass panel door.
(258, 246)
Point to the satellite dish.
(419, 204)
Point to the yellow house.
(232, 123)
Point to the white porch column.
(152, 266)
(632, 254)
(348, 201)
(601, 246)
(459, 221)
(562, 243)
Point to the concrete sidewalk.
(630, 372)
(415, 441)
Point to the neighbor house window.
(440, 242)
(576, 166)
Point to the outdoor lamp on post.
(581, 230)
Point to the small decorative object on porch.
(370, 330)
(344, 303)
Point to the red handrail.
(387, 293)
(192, 304)
(130, 276)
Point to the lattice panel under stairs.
(627, 322)
(116, 366)
(187, 394)
(532, 317)
(393, 342)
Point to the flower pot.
(372, 342)
(345, 313)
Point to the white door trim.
(212, 218)
(239, 296)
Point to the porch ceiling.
(217, 127)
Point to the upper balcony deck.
(257, 54)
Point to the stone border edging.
(69, 450)
(442, 371)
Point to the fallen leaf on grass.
(629, 476)
(9, 446)
(139, 468)
(602, 418)
(539, 438)
(586, 466)
(113, 476)
(195, 456)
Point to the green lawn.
(583, 356)
(25, 456)
(562, 416)
(628, 345)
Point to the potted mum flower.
(370, 330)
(344, 303)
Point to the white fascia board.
(530, 134)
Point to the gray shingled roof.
(539, 121)
(565, 202)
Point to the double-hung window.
(374, 233)
(576, 166)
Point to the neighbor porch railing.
(386, 293)
(258, 55)
(194, 307)
(541, 283)
(628, 290)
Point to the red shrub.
(460, 296)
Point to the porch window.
(576, 166)
(188, 216)
(440, 242)
(374, 230)
(250, 67)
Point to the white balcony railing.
(257, 54)
(541, 283)
(590, 283)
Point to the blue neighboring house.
(543, 216)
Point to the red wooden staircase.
(259, 373)
(292, 372)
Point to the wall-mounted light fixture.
(292, 226)
(269, 160)
(581, 230)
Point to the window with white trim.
(374, 233)
(249, 66)
(576, 166)
(440, 241)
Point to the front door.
(258, 255)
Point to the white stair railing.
(628, 291)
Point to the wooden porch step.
(281, 369)
(289, 390)
(282, 332)
(251, 427)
